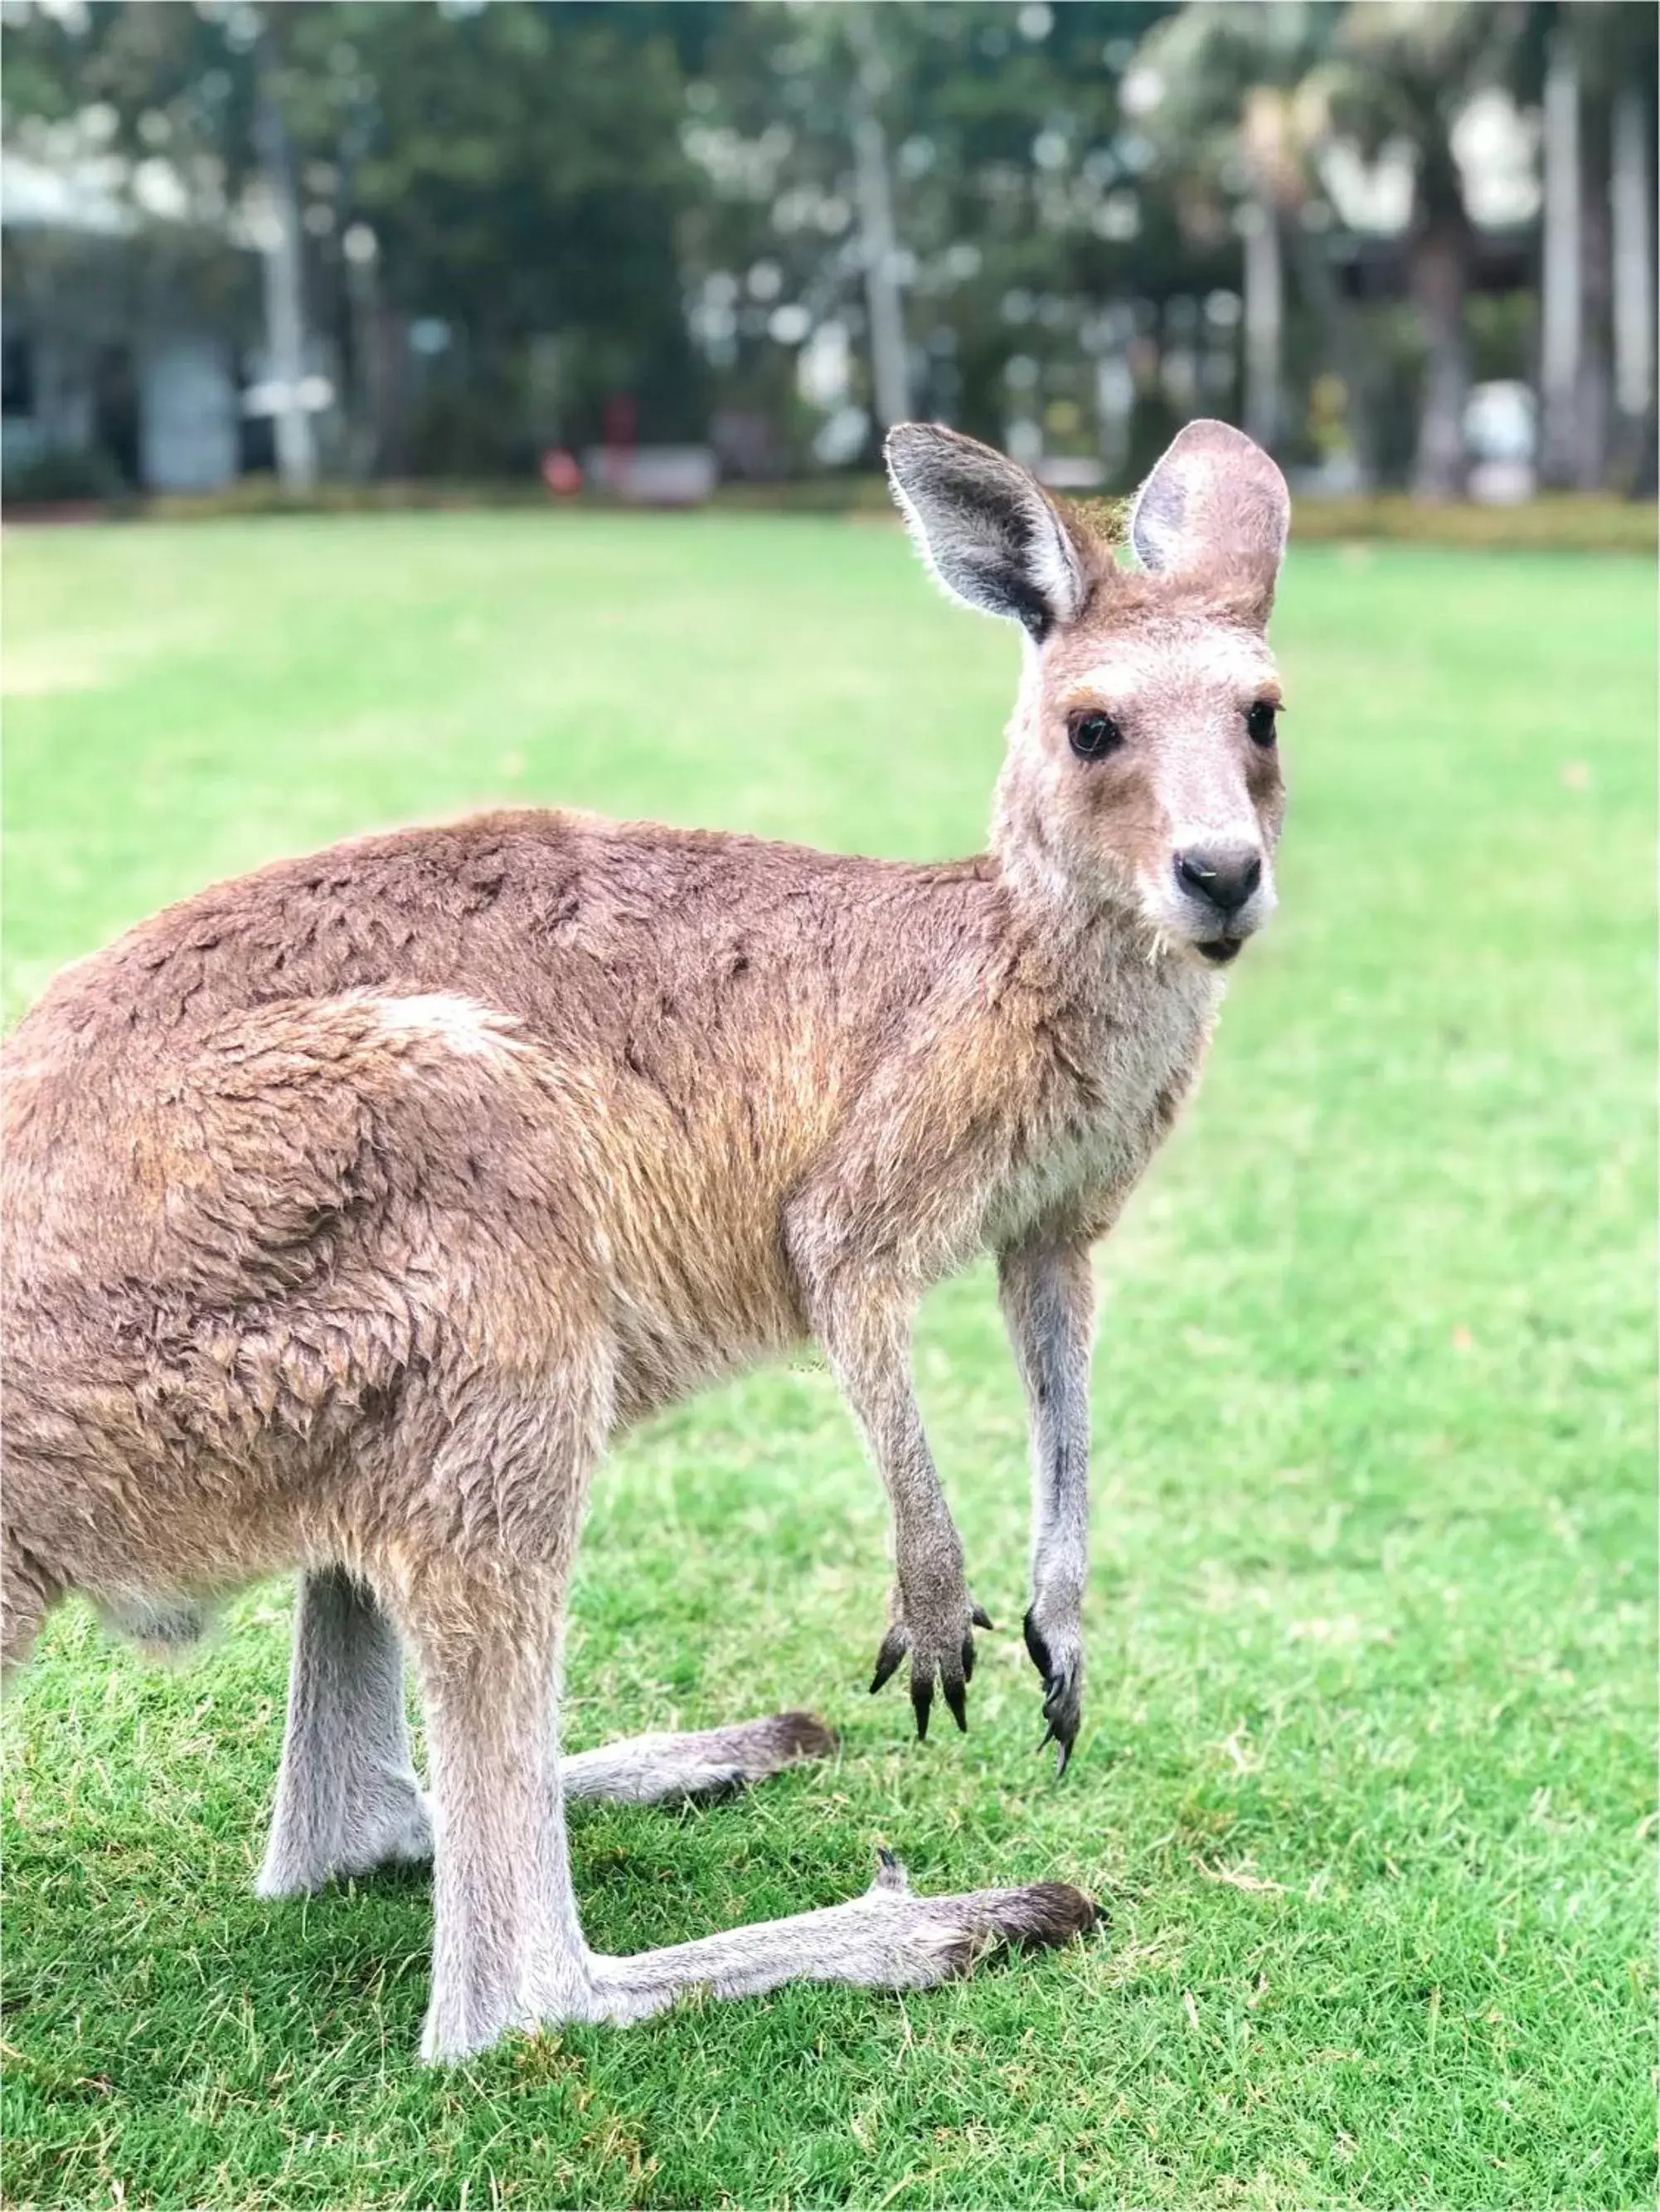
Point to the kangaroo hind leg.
(346, 1797)
(889, 1938)
(508, 1948)
(699, 1763)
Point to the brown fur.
(279, 1153)
(352, 1206)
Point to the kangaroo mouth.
(1219, 951)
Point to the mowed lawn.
(1365, 1780)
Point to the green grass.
(1367, 1774)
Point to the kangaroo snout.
(1221, 892)
(1225, 877)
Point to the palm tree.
(1404, 71)
(1241, 105)
(1592, 70)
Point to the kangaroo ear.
(1216, 503)
(987, 529)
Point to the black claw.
(982, 1618)
(922, 1698)
(968, 1658)
(1060, 1710)
(956, 1696)
(888, 1659)
(1060, 1698)
(886, 1858)
(1063, 1749)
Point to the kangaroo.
(354, 1205)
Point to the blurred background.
(341, 253)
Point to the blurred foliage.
(62, 476)
(519, 169)
(1019, 214)
(570, 206)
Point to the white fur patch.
(445, 1018)
(1200, 653)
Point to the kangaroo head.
(1143, 768)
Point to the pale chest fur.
(1121, 1068)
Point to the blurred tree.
(282, 254)
(523, 177)
(1631, 186)
(1402, 72)
(990, 138)
(1238, 108)
(890, 366)
(1593, 72)
(1050, 261)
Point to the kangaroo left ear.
(1215, 504)
(987, 529)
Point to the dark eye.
(1093, 735)
(1259, 720)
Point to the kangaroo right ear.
(987, 528)
(1215, 502)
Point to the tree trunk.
(285, 307)
(1264, 321)
(1631, 213)
(1595, 401)
(1561, 315)
(1439, 276)
(890, 366)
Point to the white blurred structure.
(1501, 434)
(653, 476)
(97, 363)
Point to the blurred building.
(121, 365)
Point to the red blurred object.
(562, 472)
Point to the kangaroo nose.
(1224, 876)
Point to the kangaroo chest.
(1115, 1080)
